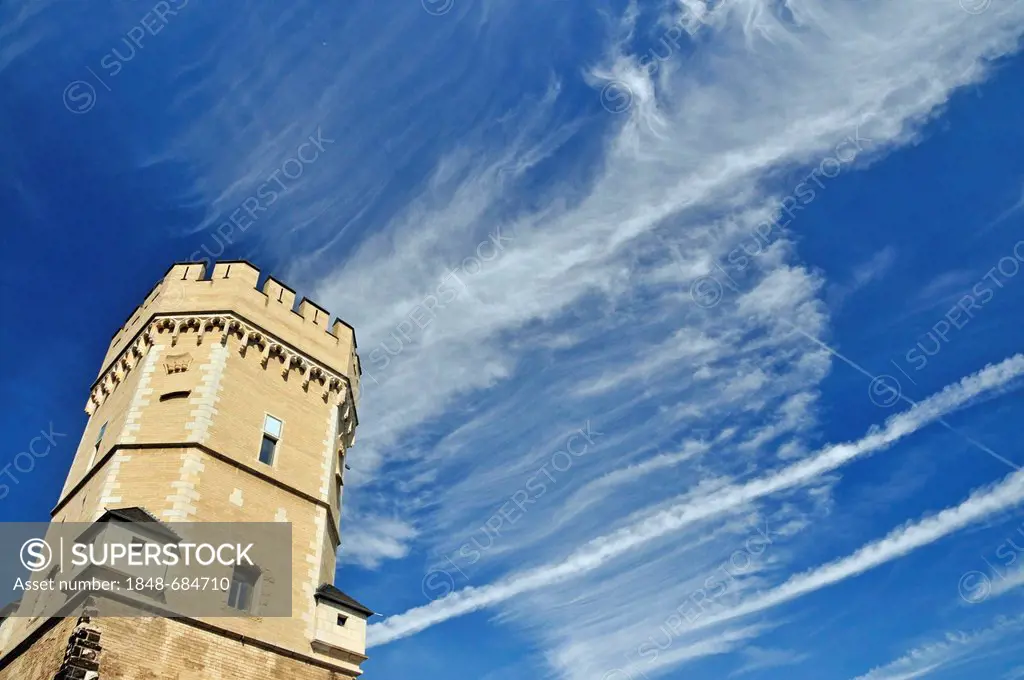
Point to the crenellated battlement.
(270, 306)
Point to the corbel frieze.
(228, 327)
(119, 369)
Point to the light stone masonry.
(186, 490)
(140, 401)
(207, 395)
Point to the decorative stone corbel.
(267, 351)
(227, 326)
(286, 361)
(252, 338)
(330, 385)
(178, 328)
(297, 362)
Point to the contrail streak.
(598, 551)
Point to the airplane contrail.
(602, 549)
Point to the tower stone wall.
(176, 421)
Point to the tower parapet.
(301, 335)
(235, 286)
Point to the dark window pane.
(236, 596)
(267, 450)
(243, 584)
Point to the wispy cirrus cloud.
(597, 552)
(954, 649)
(693, 163)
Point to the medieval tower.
(219, 400)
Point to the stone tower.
(219, 400)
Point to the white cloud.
(760, 659)
(1015, 673)
(720, 643)
(1007, 582)
(1009, 212)
(954, 649)
(981, 505)
(874, 269)
(596, 552)
(382, 539)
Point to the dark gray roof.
(136, 515)
(332, 594)
(133, 514)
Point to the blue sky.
(689, 329)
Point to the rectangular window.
(267, 450)
(272, 426)
(96, 446)
(243, 588)
(342, 619)
(271, 435)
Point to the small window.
(243, 588)
(267, 450)
(181, 394)
(272, 426)
(96, 446)
(271, 435)
(342, 619)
